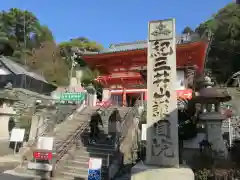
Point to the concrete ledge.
(145, 172)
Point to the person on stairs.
(96, 119)
(114, 125)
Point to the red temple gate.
(123, 67)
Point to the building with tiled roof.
(20, 77)
(139, 45)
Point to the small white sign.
(95, 163)
(144, 132)
(17, 135)
(45, 143)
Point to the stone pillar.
(34, 127)
(37, 126)
(162, 120)
(106, 95)
(4, 133)
(124, 99)
(162, 161)
(79, 74)
(94, 99)
(41, 127)
(73, 82)
(142, 98)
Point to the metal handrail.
(66, 145)
(50, 126)
(62, 150)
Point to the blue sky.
(108, 21)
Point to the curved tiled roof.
(18, 69)
(138, 45)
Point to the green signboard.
(72, 96)
(226, 105)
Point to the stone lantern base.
(146, 172)
(213, 122)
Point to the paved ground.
(7, 158)
(5, 150)
(11, 177)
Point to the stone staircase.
(76, 165)
(63, 132)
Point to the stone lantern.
(91, 95)
(7, 112)
(211, 116)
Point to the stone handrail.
(104, 107)
(54, 120)
(63, 146)
(128, 119)
(127, 134)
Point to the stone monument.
(162, 160)
(162, 134)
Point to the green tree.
(48, 62)
(187, 30)
(26, 40)
(75, 47)
(223, 58)
(23, 29)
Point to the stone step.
(72, 176)
(80, 172)
(85, 159)
(93, 150)
(27, 172)
(62, 177)
(78, 168)
(65, 130)
(82, 168)
(98, 152)
(105, 144)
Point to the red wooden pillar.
(145, 95)
(124, 99)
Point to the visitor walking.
(114, 125)
(94, 127)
